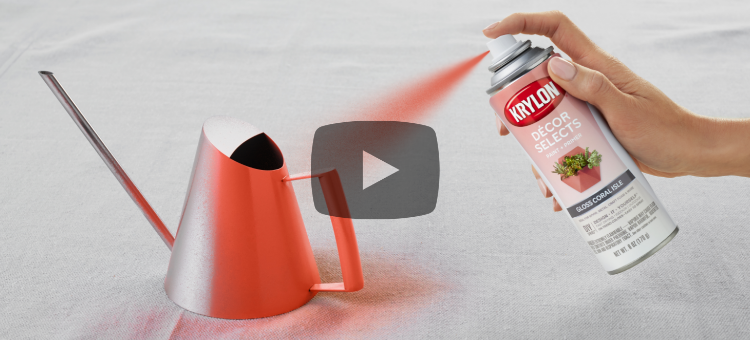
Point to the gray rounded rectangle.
(411, 148)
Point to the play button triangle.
(374, 170)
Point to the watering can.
(241, 250)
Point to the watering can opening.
(259, 152)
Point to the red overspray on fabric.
(397, 289)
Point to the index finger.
(566, 36)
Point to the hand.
(663, 138)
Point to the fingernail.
(542, 187)
(499, 125)
(562, 68)
(491, 26)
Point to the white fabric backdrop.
(78, 260)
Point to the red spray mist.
(413, 102)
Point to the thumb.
(585, 84)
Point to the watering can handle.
(343, 230)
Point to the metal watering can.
(241, 250)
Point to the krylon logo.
(534, 102)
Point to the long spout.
(107, 157)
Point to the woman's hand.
(663, 138)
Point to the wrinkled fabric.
(78, 260)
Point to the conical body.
(241, 250)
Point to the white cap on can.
(499, 46)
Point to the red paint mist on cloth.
(398, 290)
(413, 102)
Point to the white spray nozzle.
(501, 44)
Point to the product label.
(534, 102)
(602, 195)
(612, 210)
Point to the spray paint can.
(570, 145)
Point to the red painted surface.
(241, 250)
(343, 230)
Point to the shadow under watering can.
(241, 250)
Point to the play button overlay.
(388, 170)
(374, 170)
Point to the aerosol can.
(570, 145)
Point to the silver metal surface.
(519, 66)
(646, 255)
(513, 52)
(108, 159)
(242, 250)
